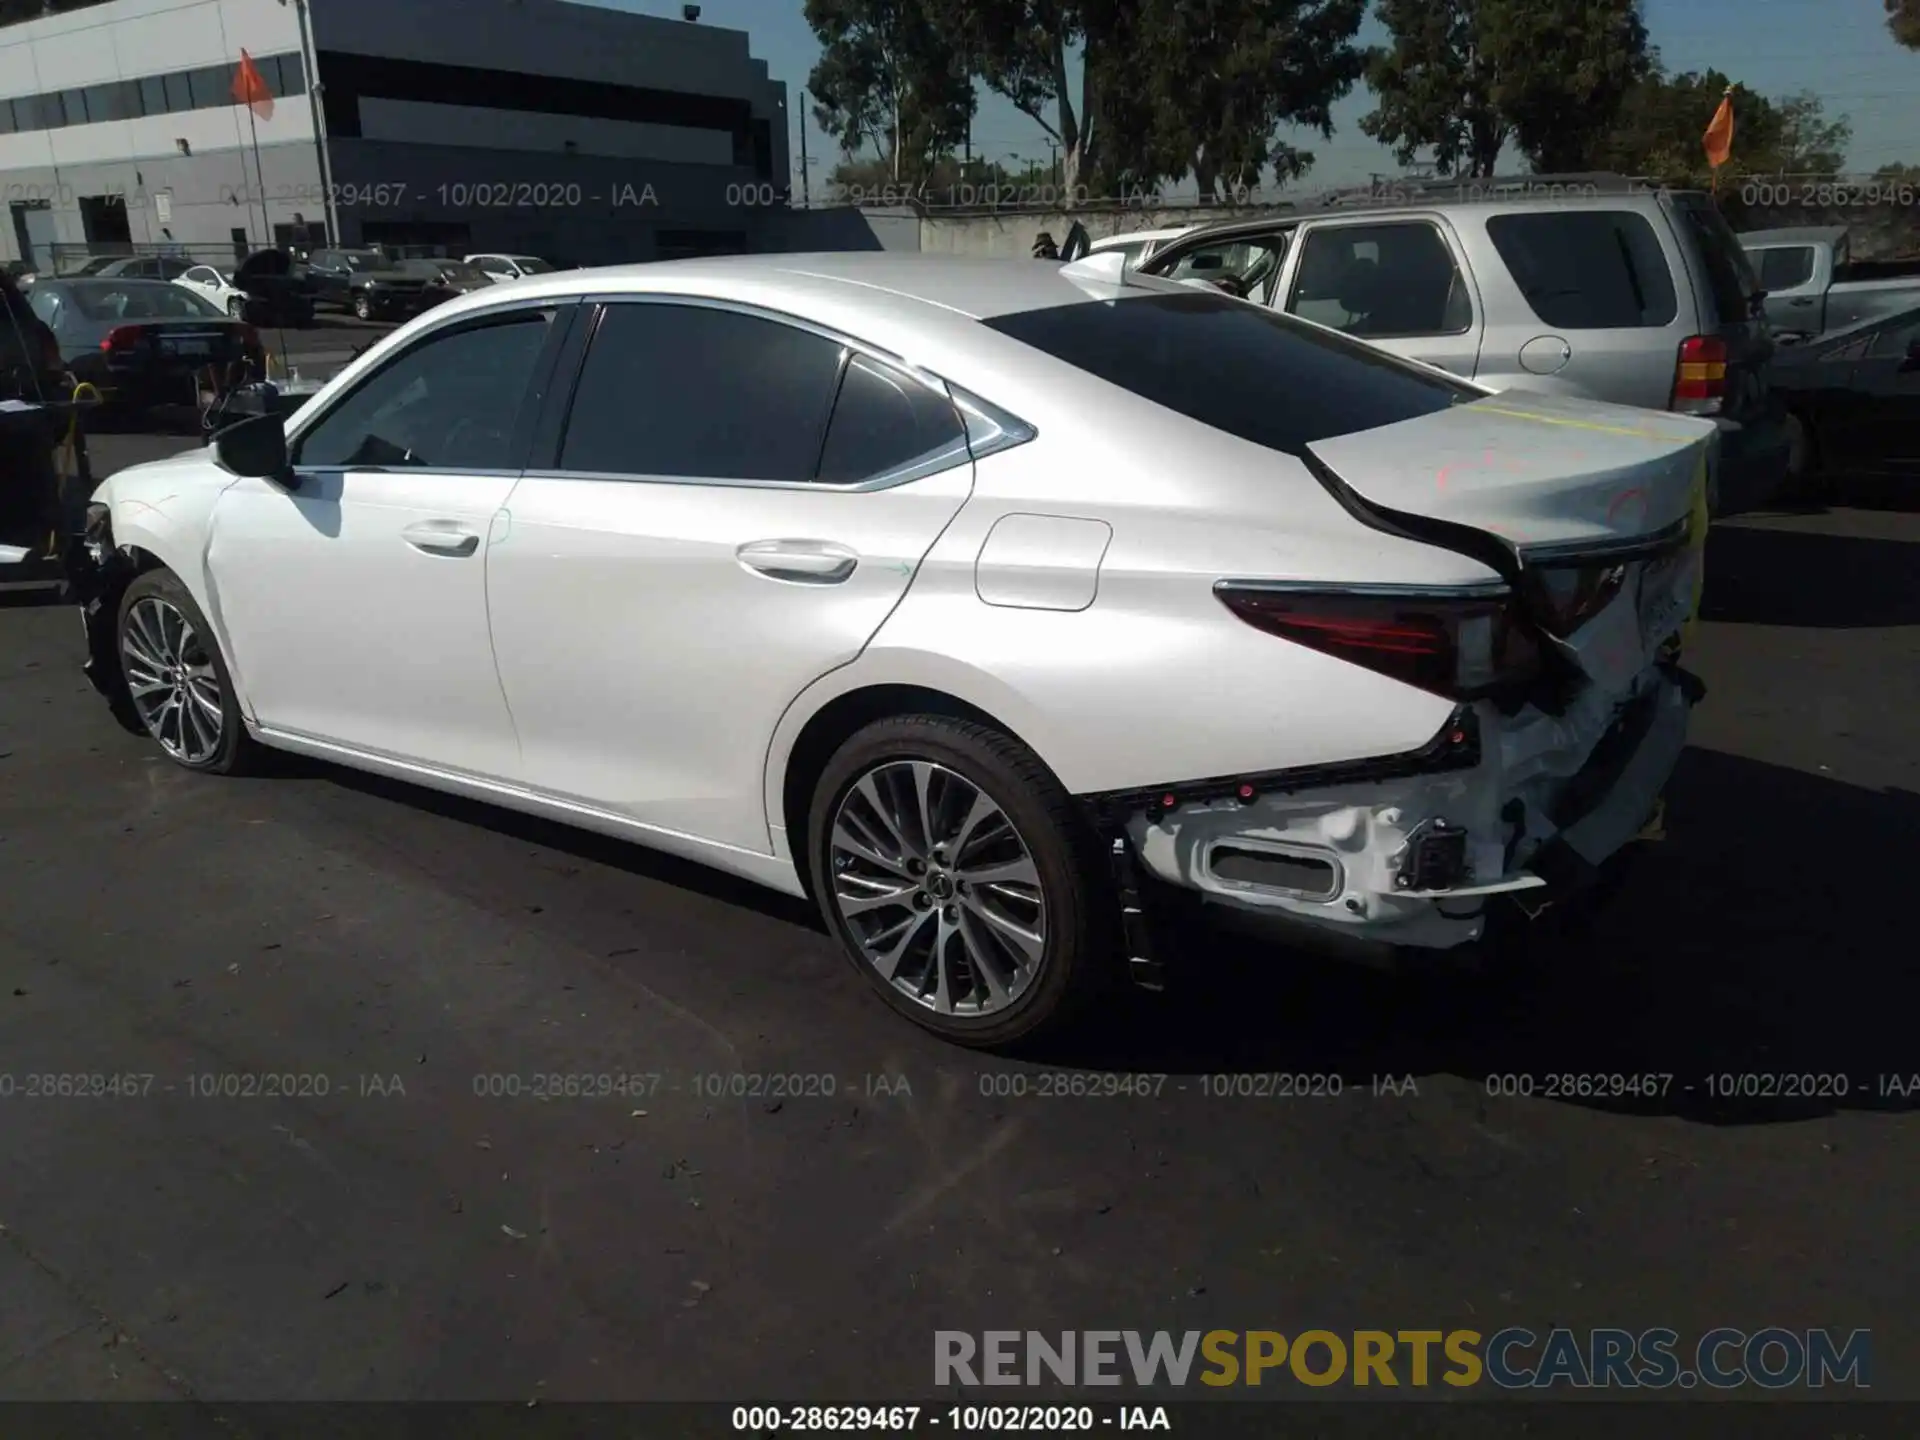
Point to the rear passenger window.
(1379, 281)
(1587, 269)
(683, 390)
(1786, 268)
(885, 422)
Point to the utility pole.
(806, 189)
(1053, 152)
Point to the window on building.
(153, 95)
(179, 96)
(105, 102)
(211, 86)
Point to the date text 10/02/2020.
(450, 195)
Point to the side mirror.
(256, 448)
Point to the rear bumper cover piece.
(1520, 808)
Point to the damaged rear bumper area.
(1411, 850)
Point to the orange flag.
(1719, 137)
(250, 90)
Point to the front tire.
(176, 679)
(960, 880)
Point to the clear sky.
(1839, 49)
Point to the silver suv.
(1601, 287)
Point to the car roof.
(966, 287)
(922, 309)
(1795, 235)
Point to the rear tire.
(176, 679)
(908, 821)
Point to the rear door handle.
(442, 537)
(806, 562)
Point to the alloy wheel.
(172, 682)
(938, 888)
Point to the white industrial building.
(567, 130)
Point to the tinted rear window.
(1728, 273)
(1251, 372)
(1587, 269)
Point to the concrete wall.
(205, 197)
(1877, 232)
(1011, 236)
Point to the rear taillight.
(1571, 595)
(1458, 645)
(50, 352)
(1700, 377)
(249, 337)
(121, 338)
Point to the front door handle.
(806, 562)
(442, 537)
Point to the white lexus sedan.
(983, 602)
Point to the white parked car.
(509, 267)
(216, 286)
(959, 595)
(1136, 245)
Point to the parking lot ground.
(401, 1224)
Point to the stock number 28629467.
(1069, 1085)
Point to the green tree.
(1903, 19)
(1220, 80)
(1660, 128)
(1461, 78)
(1022, 49)
(885, 81)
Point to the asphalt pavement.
(319, 351)
(402, 1225)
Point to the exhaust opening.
(1297, 874)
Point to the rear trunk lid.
(1536, 470)
(1593, 513)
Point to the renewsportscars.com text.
(1773, 1358)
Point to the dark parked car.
(1854, 398)
(447, 278)
(144, 342)
(369, 283)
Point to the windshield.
(458, 270)
(363, 260)
(531, 266)
(1249, 371)
(117, 300)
